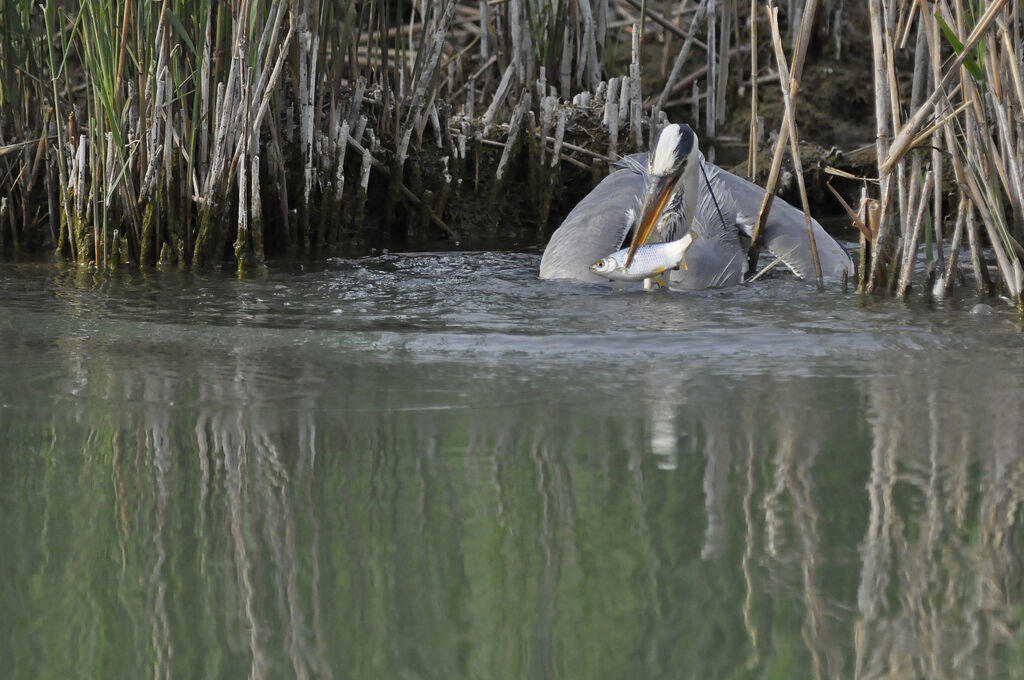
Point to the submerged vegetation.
(184, 133)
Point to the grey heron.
(662, 195)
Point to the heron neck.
(689, 180)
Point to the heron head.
(672, 150)
(675, 150)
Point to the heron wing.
(710, 264)
(595, 228)
(785, 232)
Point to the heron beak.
(654, 203)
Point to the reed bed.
(197, 133)
(958, 143)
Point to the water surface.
(438, 466)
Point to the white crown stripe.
(665, 154)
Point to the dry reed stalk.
(854, 216)
(520, 36)
(158, 105)
(611, 114)
(636, 109)
(931, 31)
(94, 198)
(78, 191)
(427, 76)
(108, 199)
(232, 153)
(53, 211)
(513, 135)
(547, 117)
(869, 217)
(880, 60)
(205, 76)
(241, 246)
(789, 88)
(564, 157)
(556, 146)
(752, 138)
(893, 19)
(903, 139)
(1007, 261)
(981, 278)
(724, 56)
(910, 252)
(625, 97)
(565, 68)
(796, 72)
(710, 115)
(912, 199)
(694, 97)
(308, 54)
(500, 94)
(954, 247)
(983, 168)
(359, 211)
(684, 52)
(587, 59)
(3, 210)
(647, 13)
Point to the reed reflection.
(945, 490)
(402, 517)
(926, 489)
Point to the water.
(438, 466)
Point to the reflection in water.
(313, 543)
(944, 496)
(245, 507)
